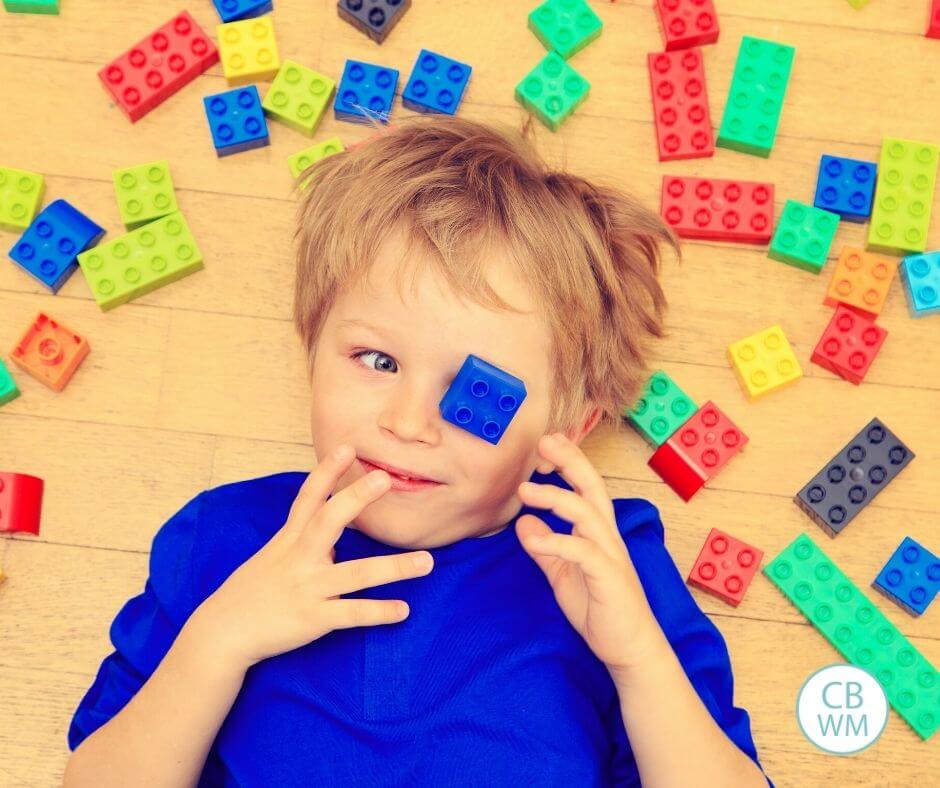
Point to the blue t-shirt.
(485, 683)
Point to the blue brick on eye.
(911, 577)
(482, 399)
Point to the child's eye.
(385, 363)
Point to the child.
(425, 607)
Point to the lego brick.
(365, 92)
(933, 20)
(482, 399)
(921, 276)
(859, 631)
(20, 195)
(31, 6)
(687, 23)
(141, 261)
(236, 121)
(803, 237)
(712, 209)
(852, 479)
(436, 84)
(8, 388)
(661, 409)
(299, 161)
(680, 105)
(552, 90)
(49, 248)
(861, 280)
(755, 99)
(159, 65)
(900, 216)
(50, 352)
(857, 4)
(20, 502)
(375, 18)
(764, 362)
(846, 187)
(144, 192)
(248, 50)
(911, 578)
(233, 10)
(565, 26)
(298, 97)
(725, 567)
(849, 344)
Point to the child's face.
(384, 403)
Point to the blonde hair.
(590, 253)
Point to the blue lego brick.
(236, 120)
(911, 577)
(49, 248)
(482, 399)
(375, 18)
(846, 187)
(233, 10)
(365, 91)
(921, 276)
(437, 84)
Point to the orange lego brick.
(861, 280)
(50, 352)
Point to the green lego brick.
(8, 389)
(32, 6)
(565, 26)
(900, 216)
(859, 631)
(299, 161)
(755, 98)
(20, 195)
(857, 4)
(141, 261)
(298, 97)
(661, 409)
(144, 193)
(552, 90)
(803, 236)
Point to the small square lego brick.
(365, 93)
(436, 84)
(298, 162)
(849, 344)
(50, 352)
(852, 479)
(846, 187)
(236, 121)
(713, 209)
(8, 388)
(764, 362)
(911, 578)
(483, 399)
(233, 10)
(921, 276)
(565, 26)
(687, 23)
(248, 50)
(375, 18)
(803, 237)
(725, 567)
(933, 20)
(298, 97)
(31, 6)
(552, 90)
(144, 192)
(680, 105)
(20, 195)
(20, 502)
(661, 409)
(861, 280)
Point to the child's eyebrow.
(352, 321)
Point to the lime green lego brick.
(299, 161)
(661, 409)
(755, 99)
(803, 236)
(32, 6)
(298, 97)
(141, 261)
(565, 26)
(8, 389)
(900, 216)
(144, 193)
(859, 631)
(857, 4)
(20, 196)
(552, 90)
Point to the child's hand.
(287, 594)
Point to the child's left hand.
(590, 571)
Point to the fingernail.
(422, 561)
(378, 479)
(342, 452)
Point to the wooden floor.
(202, 382)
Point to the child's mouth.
(400, 483)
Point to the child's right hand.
(287, 594)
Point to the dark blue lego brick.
(482, 399)
(365, 91)
(846, 187)
(375, 18)
(50, 246)
(236, 120)
(911, 577)
(232, 10)
(436, 84)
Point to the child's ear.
(576, 433)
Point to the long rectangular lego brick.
(714, 209)
(680, 105)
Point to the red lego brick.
(933, 24)
(849, 344)
(725, 567)
(680, 105)
(687, 23)
(712, 209)
(20, 502)
(50, 352)
(159, 65)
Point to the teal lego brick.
(552, 90)
(8, 388)
(565, 26)
(803, 236)
(31, 6)
(661, 409)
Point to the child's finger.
(346, 613)
(317, 487)
(576, 469)
(349, 576)
(585, 554)
(323, 530)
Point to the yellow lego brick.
(764, 362)
(248, 50)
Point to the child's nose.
(412, 414)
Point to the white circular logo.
(842, 709)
